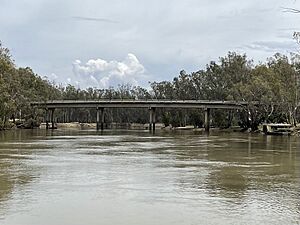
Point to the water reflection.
(222, 178)
(15, 174)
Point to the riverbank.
(137, 126)
(77, 125)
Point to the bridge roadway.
(150, 104)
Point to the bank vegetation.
(273, 84)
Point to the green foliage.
(20, 86)
(274, 86)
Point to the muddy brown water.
(75, 177)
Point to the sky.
(101, 43)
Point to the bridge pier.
(100, 125)
(230, 116)
(152, 119)
(47, 119)
(65, 120)
(69, 115)
(52, 118)
(207, 119)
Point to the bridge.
(152, 105)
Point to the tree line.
(273, 85)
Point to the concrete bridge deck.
(121, 103)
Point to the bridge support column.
(102, 118)
(47, 119)
(100, 125)
(152, 119)
(230, 116)
(97, 119)
(65, 116)
(207, 119)
(52, 118)
(69, 115)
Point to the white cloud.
(168, 35)
(104, 74)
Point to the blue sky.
(104, 43)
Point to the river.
(75, 177)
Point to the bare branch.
(296, 36)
